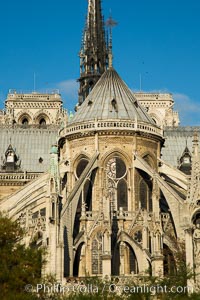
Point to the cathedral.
(112, 190)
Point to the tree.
(19, 265)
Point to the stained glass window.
(97, 254)
(117, 191)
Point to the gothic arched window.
(42, 122)
(116, 174)
(131, 263)
(97, 254)
(25, 122)
(87, 194)
(81, 166)
(145, 191)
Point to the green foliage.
(19, 265)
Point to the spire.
(94, 50)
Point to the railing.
(18, 176)
(154, 96)
(115, 280)
(91, 215)
(111, 125)
(12, 93)
(128, 215)
(35, 221)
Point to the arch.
(24, 116)
(155, 118)
(145, 191)
(167, 240)
(81, 239)
(98, 228)
(122, 194)
(87, 194)
(77, 159)
(132, 261)
(149, 158)
(195, 216)
(42, 121)
(116, 177)
(118, 152)
(43, 114)
(124, 237)
(80, 167)
(25, 121)
(115, 174)
(77, 259)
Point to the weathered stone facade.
(32, 109)
(102, 199)
(159, 107)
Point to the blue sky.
(159, 39)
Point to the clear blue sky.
(158, 38)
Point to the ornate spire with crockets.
(94, 50)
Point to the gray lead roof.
(176, 140)
(111, 99)
(30, 145)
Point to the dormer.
(185, 161)
(11, 162)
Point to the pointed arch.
(142, 264)
(145, 190)
(77, 260)
(150, 159)
(43, 114)
(131, 260)
(24, 116)
(122, 194)
(115, 179)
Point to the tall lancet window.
(116, 175)
(145, 192)
(97, 249)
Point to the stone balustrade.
(118, 125)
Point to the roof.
(176, 140)
(111, 99)
(31, 145)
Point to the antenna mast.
(34, 81)
(110, 23)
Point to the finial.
(110, 23)
(195, 137)
(195, 143)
